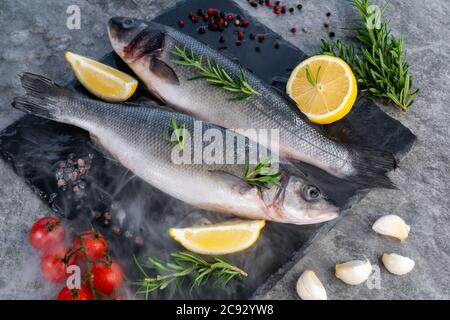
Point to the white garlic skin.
(393, 226)
(354, 272)
(397, 264)
(309, 287)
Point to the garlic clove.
(309, 287)
(354, 272)
(397, 264)
(393, 226)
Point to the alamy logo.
(219, 146)
(74, 20)
(374, 19)
(74, 280)
(374, 280)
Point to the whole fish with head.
(136, 137)
(149, 49)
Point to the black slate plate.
(36, 147)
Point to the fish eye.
(312, 193)
(128, 22)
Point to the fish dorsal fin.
(163, 71)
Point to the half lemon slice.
(219, 239)
(102, 81)
(324, 88)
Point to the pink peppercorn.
(212, 11)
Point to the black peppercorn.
(258, 49)
(299, 7)
(326, 25)
(201, 30)
(328, 14)
(332, 34)
(291, 10)
(277, 45)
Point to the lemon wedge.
(219, 239)
(102, 81)
(324, 88)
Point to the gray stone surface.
(35, 37)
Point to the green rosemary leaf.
(317, 75)
(214, 74)
(179, 140)
(309, 76)
(261, 175)
(183, 266)
(380, 64)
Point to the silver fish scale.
(146, 128)
(269, 110)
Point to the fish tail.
(371, 167)
(42, 98)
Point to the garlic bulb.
(397, 264)
(354, 272)
(391, 225)
(309, 287)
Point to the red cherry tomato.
(84, 293)
(94, 243)
(46, 232)
(107, 278)
(53, 263)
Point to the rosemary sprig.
(311, 80)
(214, 74)
(261, 175)
(179, 132)
(184, 266)
(380, 64)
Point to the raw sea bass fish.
(138, 138)
(148, 49)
